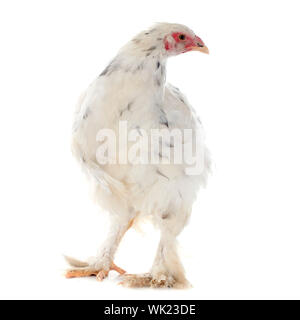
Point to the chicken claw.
(147, 280)
(90, 272)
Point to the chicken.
(132, 90)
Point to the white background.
(243, 238)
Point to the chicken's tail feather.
(76, 263)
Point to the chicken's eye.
(181, 37)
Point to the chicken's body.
(133, 89)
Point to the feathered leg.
(103, 262)
(167, 270)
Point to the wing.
(178, 115)
(90, 116)
(179, 112)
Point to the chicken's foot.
(92, 272)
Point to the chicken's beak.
(199, 45)
(203, 49)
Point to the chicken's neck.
(143, 74)
(150, 72)
(145, 63)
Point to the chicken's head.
(168, 39)
(180, 42)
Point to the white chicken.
(133, 90)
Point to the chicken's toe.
(82, 272)
(136, 280)
(92, 272)
(147, 280)
(102, 274)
